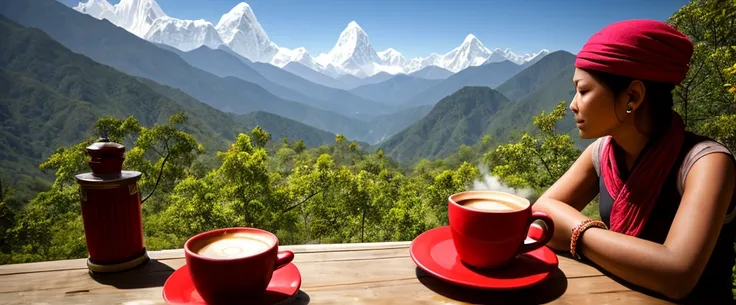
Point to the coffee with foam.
(233, 245)
(484, 204)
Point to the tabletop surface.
(367, 273)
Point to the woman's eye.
(582, 91)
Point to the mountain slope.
(51, 97)
(432, 72)
(385, 126)
(223, 64)
(395, 90)
(111, 45)
(536, 75)
(558, 88)
(312, 76)
(490, 75)
(228, 123)
(461, 118)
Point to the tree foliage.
(706, 97)
(535, 162)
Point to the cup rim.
(190, 253)
(521, 200)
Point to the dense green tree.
(704, 99)
(535, 161)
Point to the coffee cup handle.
(283, 258)
(547, 232)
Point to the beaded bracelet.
(579, 229)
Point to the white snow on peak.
(353, 48)
(137, 16)
(185, 35)
(391, 57)
(240, 30)
(100, 9)
(300, 55)
(470, 53)
(353, 54)
(470, 38)
(506, 54)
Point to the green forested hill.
(461, 118)
(447, 126)
(536, 75)
(514, 119)
(51, 97)
(490, 75)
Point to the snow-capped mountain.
(469, 54)
(240, 30)
(300, 55)
(506, 54)
(353, 54)
(137, 16)
(185, 35)
(391, 57)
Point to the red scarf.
(635, 198)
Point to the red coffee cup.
(233, 265)
(489, 228)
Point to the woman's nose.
(574, 103)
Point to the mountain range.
(240, 30)
(72, 69)
(505, 112)
(52, 97)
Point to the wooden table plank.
(331, 274)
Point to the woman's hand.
(565, 218)
(564, 200)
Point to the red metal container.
(111, 210)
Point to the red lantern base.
(119, 267)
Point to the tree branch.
(160, 173)
(539, 154)
(301, 202)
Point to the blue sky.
(420, 27)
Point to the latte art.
(233, 246)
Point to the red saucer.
(434, 252)
(284, 284)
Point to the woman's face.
(596, 110)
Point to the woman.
(666, 195)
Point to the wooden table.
(370, 273)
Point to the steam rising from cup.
(488, 182)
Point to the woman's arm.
(672, 268)
(564, 200)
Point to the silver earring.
(629, 110)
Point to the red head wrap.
(640, 49)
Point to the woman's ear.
(635, 94)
